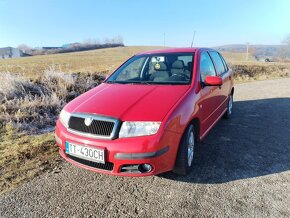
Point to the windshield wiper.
(114, 81)
(146, 82)
(130, 82)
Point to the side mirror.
(213, 81)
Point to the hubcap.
(190, 148)
(230, 104)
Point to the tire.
(229, 111)
(184, 159)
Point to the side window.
(225, 64)
(218, 62)
(206, 66)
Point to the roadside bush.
(249, 72)
(33, 105)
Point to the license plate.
(84, 152)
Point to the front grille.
(99, 126)
(106, 166)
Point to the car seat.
(160, 72)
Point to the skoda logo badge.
(88, 121)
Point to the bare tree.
(285, 50)
(107, 41)
(24, 48)
(115, 40)
(253, 51)
(91, 42)
(118, 40)
(286, 41)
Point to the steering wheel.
(182, 75)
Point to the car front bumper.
(157, 150)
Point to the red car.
(149, 115)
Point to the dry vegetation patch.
(23, 157)
(29, 108)
(245, 72)
(33, 105)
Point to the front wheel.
(185, 155)
(229, 111)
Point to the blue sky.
(143, 22)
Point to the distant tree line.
(88, 44)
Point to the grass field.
(34, 89)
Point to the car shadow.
(254, 142)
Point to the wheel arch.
(196, 125)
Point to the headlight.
(64, 117)
(131, 129)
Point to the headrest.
(178, 64)
(160, 66)
(189, 65)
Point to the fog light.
(145, 168)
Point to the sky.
(40, 23)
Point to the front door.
(209, 95)
(222, 71)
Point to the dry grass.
(252, 71)
(34, 89)
(23, 157)
(32, 105)
(28, 109)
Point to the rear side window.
(206, 66)
(218, 62)
(225, 64)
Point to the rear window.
(218, 62)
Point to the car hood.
(131, 102)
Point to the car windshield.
(168, 69)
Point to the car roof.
(174, 50)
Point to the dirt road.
(242, 170)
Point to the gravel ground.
(242, 170)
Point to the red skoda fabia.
(149, 115)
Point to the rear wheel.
(185, 155)
(229, 111)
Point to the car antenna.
(193, 39)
